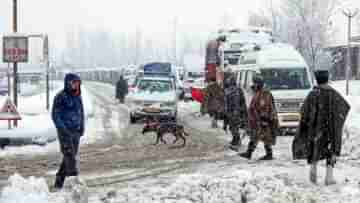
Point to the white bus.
(285, 74)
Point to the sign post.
(15, 50)
(47, 63)
(9, 112)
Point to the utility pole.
(47, 64)
(175, 36)
(15, 26)
(349, 14)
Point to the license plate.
(152, 110)
(291, 118)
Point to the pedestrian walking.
(319, 133)
(68, 117)
(263, 121)
(213, 102)
(121, 89)
(235, 109)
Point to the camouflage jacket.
(262, 111)
(263, 117)
(320, 130)
(213, 98)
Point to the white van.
(285, 74)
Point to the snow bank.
(27, 89)
(36, 126)
(36, 190)
(22, 190)
(238, 186)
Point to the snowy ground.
(226, 178)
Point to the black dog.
(161, 128)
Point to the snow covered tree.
(308, 26)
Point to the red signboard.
(15, 49)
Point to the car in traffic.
(153, 97)
(190, 79)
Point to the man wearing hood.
(68, 117)
(121, 89)
(320, 130)
(235, 109)
(263, 120)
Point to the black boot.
(248, 153)
(237, 140)
(269, 154)
(232, 141)
(59, 182)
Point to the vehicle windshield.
(286, 79)
(194, 75)
(155, 86)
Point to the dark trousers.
(69, 146)
(121, 99)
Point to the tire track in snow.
(131, 150)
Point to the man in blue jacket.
(68, 117)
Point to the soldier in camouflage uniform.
(235, 109)
(213, 101)
(320, 130)
(263, 120)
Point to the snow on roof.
(277, 54)
(249, 37)
(157, 78)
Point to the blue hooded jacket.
(68, 110)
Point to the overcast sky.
(154, 18)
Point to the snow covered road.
(120, 161)
(115, 146)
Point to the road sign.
(15, 49)
(9, 111)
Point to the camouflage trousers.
(263, 134)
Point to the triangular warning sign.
(9, 111)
